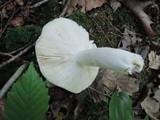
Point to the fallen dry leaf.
(127, 84)
(71, 7)
(110, 82)
(151, 107)
(131, 42)
(154, 60)
(137, 7)
(90, 4)
(157, 95)
(115, 4)
(20, 2)
(85, 5)
(17, 22)
(106, 85)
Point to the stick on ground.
(14, 77)
(16, 56)
(65, 9)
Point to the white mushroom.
(69, 60)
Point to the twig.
(16, 56)
(10, 55)
(14, 77)
(65, 9)
(6, 54)
(19, 49)
(99, 92)
(39, 4)
(12, 15)
(137, 7)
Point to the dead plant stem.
(16, 56)
(65, 9)
(39, 4)
(14, 77)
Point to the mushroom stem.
(118, 60)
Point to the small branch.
(19, 49)
(137, 8)
(39, 4)
(99, 92)
(16, 56)
(14, 77)
(6, 54)
(65, 9)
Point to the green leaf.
(146, 118)
(28, 98)
(120, 107)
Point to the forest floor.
(21, 25)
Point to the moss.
(20, 36)
(81, 19)
(124, 18)
(47, 12)
(98, 24)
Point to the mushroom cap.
(59, 42)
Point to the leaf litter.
(107, 81)
(151, 105)
(154, 60)
(84, 5)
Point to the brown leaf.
(115, 4)
(82, 3)
(137, 7)
(71, 7)
(151, 107)
(157, 95)
(111, 81)
(20, 2)
(127, 84)
(105, 83)
(131, 42)
(17, 22)
(90, 4)
(154, 60)
(86, 5)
